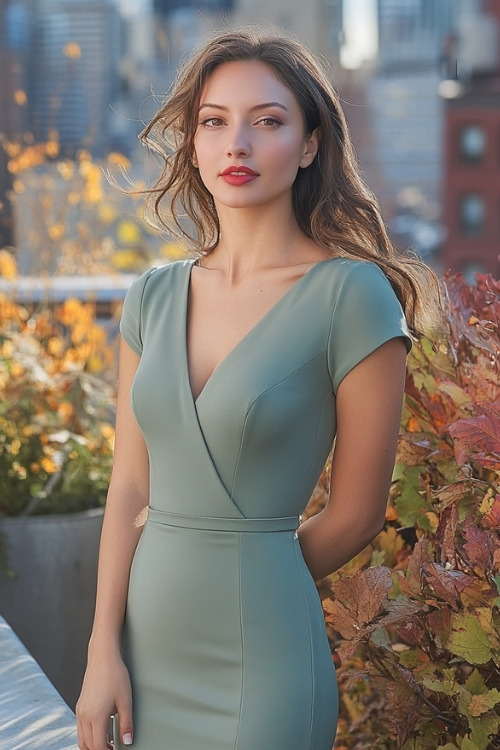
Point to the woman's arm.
(369, 403)
(106, 686)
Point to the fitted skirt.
(225, 639)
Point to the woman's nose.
(239, 142)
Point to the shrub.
(56, 412)
(414, 619)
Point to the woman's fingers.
(125, 723)
(92, 735)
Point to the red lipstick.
(238, 175)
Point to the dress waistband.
(287, 523)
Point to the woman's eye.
(212, 122)
(269, 121)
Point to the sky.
(360, 24)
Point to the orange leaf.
(492, 518)
(358, 599)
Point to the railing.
(33, 716)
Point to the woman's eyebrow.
(256, 107)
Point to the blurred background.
(420, 82)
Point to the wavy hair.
(332, 204)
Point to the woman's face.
(251, 137)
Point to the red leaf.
(412, 582)
(412, 453)
(474, 311)
(446, 532)
(477, 437)
(447, 584)
(477, 545)
(412, 633)
(402, 711)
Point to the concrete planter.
(49, 603)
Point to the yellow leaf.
(123, 260)
(479, 704)
(52, 148)
(173, 251)
(56, 231)
(94, 364)
(48, 465)
(487, 502)
(8, 266)
(16, 370)
(128, 233)
(107, 431)
(72, 50)
(107, 213)
(433, 520)
(118, 160)
(20, 97)
(66, 169)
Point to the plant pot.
(49, 601)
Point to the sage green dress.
(224, 632)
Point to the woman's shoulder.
(162, 276)
(355, 277)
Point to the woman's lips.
(238, 175)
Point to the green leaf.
(475, 683)
(468, 640)
(439, 686)
(410, 505)
(410, 658)
(469, 745)
(483, 728)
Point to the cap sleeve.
(131, 319)
(367, 313)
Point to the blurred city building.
(74, 78)
(14, 41)
(471, 193)
(317, 23)
(407, 118)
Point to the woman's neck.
(253, 239)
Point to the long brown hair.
(332, 204)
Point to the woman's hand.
(106, 690)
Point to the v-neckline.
(244, 338)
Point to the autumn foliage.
(414, 620)
(56, 409)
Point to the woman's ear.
(311, 148)
(194, 160)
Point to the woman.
(241, 368)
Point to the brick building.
(471, 194)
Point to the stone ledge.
(33, 716)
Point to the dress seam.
(330, 330)
(325, 401)
(242, 644)
(263, 393)
(141, 325)
(311, 652)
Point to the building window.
(472, 143)
(472, 214)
